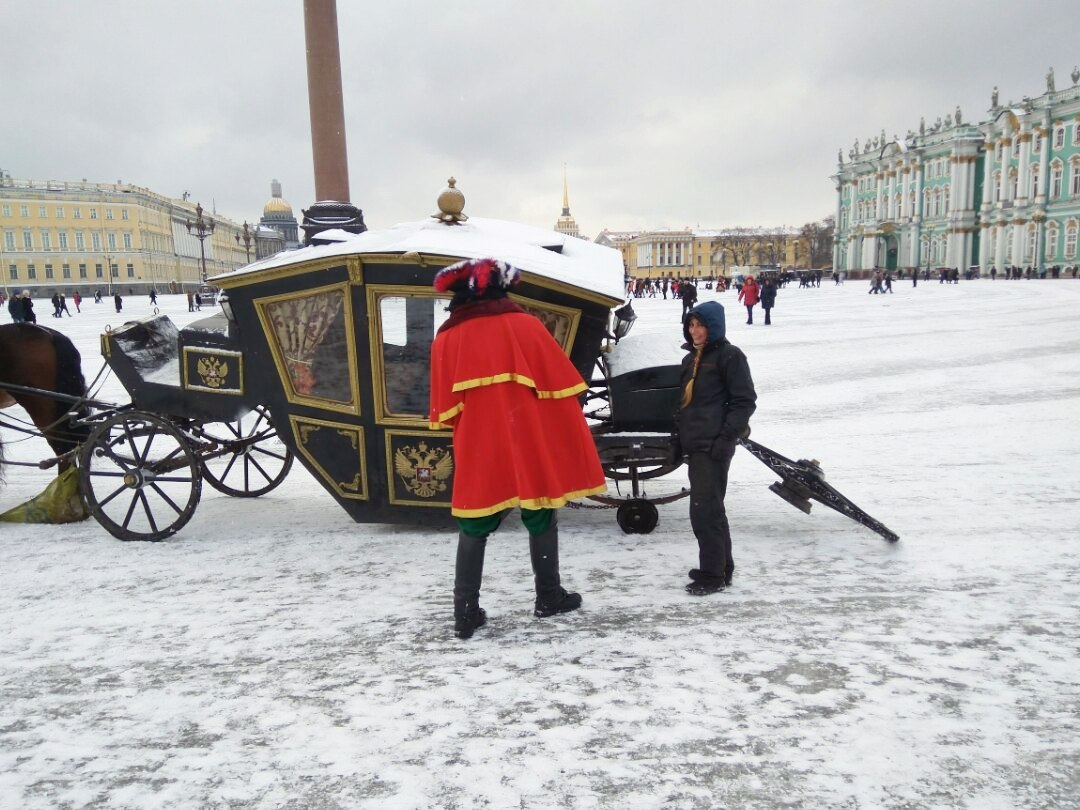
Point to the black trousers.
(708, 486)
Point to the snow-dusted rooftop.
(576, 262)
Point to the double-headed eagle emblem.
(212, 371)
(423, 470)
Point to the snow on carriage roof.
(580, 263)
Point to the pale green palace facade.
(1001, 192)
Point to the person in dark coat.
(118, 301)
(768, 299)
(153, 298)
(718, 399)
(56, 305)
(63, 306)
(28, 308)
(688, 294)
(15, 308)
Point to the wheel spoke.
(131, 510)
(149, 514)
(173, 480)
(102, 504)
(278, 456)
(228, 467)
(146, 447)
(166, 498)
(258, 467)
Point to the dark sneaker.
(705, 586)
(465, 624)
(561, 602)
(697, 575)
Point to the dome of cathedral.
(277, 205)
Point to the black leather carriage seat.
(645, 399)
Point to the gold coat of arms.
(424, 470)
(212, 371)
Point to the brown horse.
(35, 356)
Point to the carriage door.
(419, 464)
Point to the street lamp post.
(246, 238)
(200, 229)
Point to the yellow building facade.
(698, 253)
(62, 236)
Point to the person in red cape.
(505, 386)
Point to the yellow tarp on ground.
(59, 503)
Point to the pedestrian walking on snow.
(749, 295)
(768, 299)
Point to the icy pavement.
(275, 654)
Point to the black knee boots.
(551, 597)
(468, 572)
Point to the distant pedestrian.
(888, 283)
(688, 294)
(28, 308)
(97, 296)
(153, 298)
(56, 305)
(915, 279)
(78, 301)
(198, 302)
(749, 295)
(190, 301)
(118, 301)
(15, 308)
(63, 305)
(768, 299)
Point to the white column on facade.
(984, 248)
(1000, 259)
(1017, 230)
(1023, 171)
(1044, 162)
(1003, 183)
(988, 173)
(877, 195)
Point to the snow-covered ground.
(275, 654)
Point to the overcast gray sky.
(666, 114)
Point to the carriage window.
(309, 336)
(408, 329)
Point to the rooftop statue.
(1050, 81)
(840, 155)
(1075, 75)
(922, 126)
(994, 98)
(958, 115)
(948, 121)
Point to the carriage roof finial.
(451, 203)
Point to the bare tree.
(818, 238)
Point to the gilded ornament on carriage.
(212, 371)
(424, 470)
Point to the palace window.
(1035, 181)
(1059, 137)
(924, 252)
(1076, 134)
(13, 271)
(131, 271)
(59, 212)
(9, 240)
(1051, 240)
(1055, 179)
(27, 240)
(46, 240)
(48, 271)
(7, 210)
(95, 239)
(98, 272)
(999, 152)
(63, 240)
(77, 213)
(24, 210)
(66, 269)
(945, 197)
(82, 271)
(997, 186)
(43, 211)
(1016, 148)
(108, 213)
(1070, 239)
(124, 214)
(80, 242)
(1036, 143)
(93, 213)
(1074, 180)
(1013, 183)
(31, 271)
(1032, 238)
(127, 241)
(112, 240)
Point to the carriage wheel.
(637, 516)
(252, 460)
(139, 477)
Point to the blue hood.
(711, 313)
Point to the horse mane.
(70, 381)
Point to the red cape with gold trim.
(509, 391)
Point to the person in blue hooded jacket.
(717, 401)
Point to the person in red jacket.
(749, 295)
(509, 391)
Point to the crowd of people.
(20, 305)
